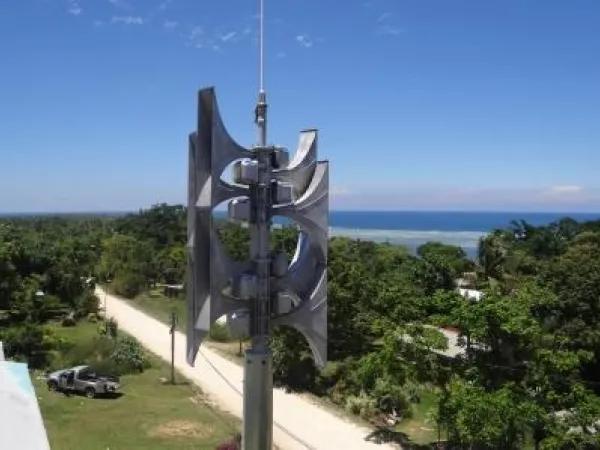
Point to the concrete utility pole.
(267, 290)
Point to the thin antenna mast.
(262, 46)
(261, 107)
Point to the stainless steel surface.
(264, 291)
(258, 401)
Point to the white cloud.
(196, 31)
(427, 197)
(98, 23)
(566, 189)
(281, 55)
(385, 28)
(164, 5)
(383, 17)
(214, 40)
(337, 191)
(73, 7)
(388, 30)
(128, 20)
(170, 24)
(229, 36)
(304, 41)
(120, 4)
(196, 37)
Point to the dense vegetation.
(529, 370)
(45, 270)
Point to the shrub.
(83, 352)
(113, 327)
(69, 320)
(86, 304)
(129, 355)
(92, 317)
(219, 333)
(391, 398)
(109, 328)
(29, 342)
(129, 284)
(361, 405)
(293, 365)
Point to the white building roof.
(21, 424)
(471, 294)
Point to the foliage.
(531, 361)
(129, 284)
(476, 419)
(110, 328)
(28, 342)
(293, 365)
(447, 261)
(360, 405)
(219, 332)
(129, 355)
(128, 262)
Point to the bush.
(219, 333)
(113, 327)
(29, 343)
(361, 405)
(92, 317)
(129, 355)
(293, 365)
(391, 398)
(69, 320)
(129, 284)
(82, 352)
(86, 304)
(110, 328)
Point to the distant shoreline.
(410, 229)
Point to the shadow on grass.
(383, 435)
(177, 383)
(107, 396)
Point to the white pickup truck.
(82, 379)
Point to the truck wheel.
(52, 385)
(90, 392)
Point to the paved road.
(298, 423)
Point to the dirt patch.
(182, 428)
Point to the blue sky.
(421, 104)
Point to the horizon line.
(341, 210)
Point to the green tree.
(480, 420)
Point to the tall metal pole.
(173, 323)
(258, 376)
(261, 107)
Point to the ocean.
(414, 228)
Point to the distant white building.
(470, 294)
(453, 349)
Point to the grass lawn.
(150, 414)
(155, 304)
